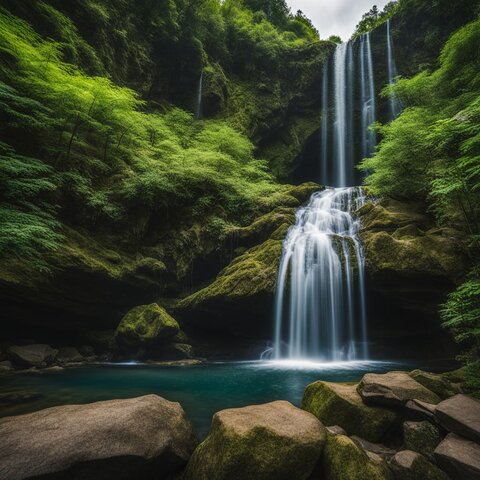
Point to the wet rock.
(460, 414)
(144, 326)
(409, 465)
(459, 457)
(343, 459)
(336, 430)
(274, 441)
(128, 439)
(6, 366)
(68, 355)
(339, 404)
(377, 448)
(393, 389)
(421, 437)
(418, 409)
(437, 383)
(36, 355)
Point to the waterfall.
(324, 127)
(198, 110)
(394, 103)
(367, 97)
(323, 316)
(343, 125)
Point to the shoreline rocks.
(273, 441)
(143, 437)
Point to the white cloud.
(335, 17)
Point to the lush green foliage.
(373, 18)
(432, 152)
(98, 156)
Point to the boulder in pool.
(343, 459)
(273, 441)
(69, 355)
(459, 457)
(340, 404)
(145, 325)
(137, 438)
(36, 355)
(460, 414)
(409, 465)
(393, 389)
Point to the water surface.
(202, 390)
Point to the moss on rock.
(340, 404)
(145, 325)
(421, 437)
(437, 383)
(344, 460)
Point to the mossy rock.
(274, 441)
(344, 460)
(340, 404)
(422, 437)
(409, 465)
(248, 275)
(146, 325)
(437, 383)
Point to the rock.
(344, 460)
(36, 355)
(103, 440)
(336, 430)
(378, 449)
(339, 404)
(274, 441)
(241, 297)
(408, 465)
(421, 437)
(459, 457)
(87, 351)
(393, 389)
(69, 355)
(145, 325)
(6, 366)
(103, 341)
(418, 409)
(460, 414)
(436, 383)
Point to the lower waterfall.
(320, 299)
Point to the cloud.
(335, 17)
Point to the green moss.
(340, 404)
(437, 383)
(145, 325)
(344, 460)
(250, 274)
(421, 437)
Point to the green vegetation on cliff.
(431, 153)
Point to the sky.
(335, 17)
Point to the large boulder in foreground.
(344, 460)
(274, 441)
(460, 414)
(36, 355)
(146, 325)
(459, 457)
(422, 437)
(339, 404)
(393, 389)
(437, 383)
(139, 438)
(409, 465)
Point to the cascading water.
(367, 96)
(324, 127)
(323, 316)
(394, 103)
(198, 110)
